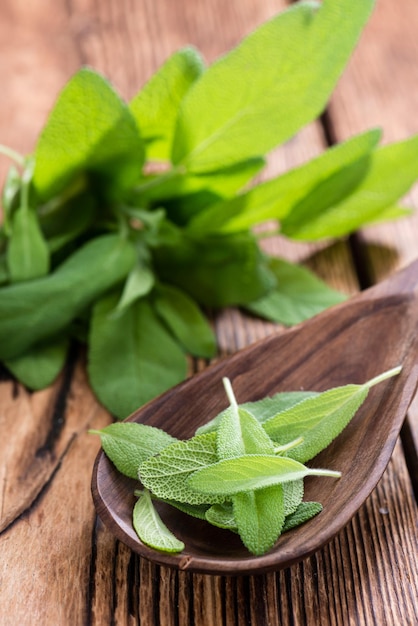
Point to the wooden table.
(59, 565)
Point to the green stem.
(378, 379)
(230, 393)
(324, 472)
(288, 446)
(12, 154)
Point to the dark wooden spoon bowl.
(350, 343)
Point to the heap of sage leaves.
(242, 471)
(130, 219)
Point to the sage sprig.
(244, 474)
(167, 180)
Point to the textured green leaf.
(262, 409)
(292, 494)
(128, 444)
(32, 311)
(392, 172)
(222, 516)
(9, 196)
(276, 198)
(179, 189)
(90, 129)
(277, 80)
(240, 433)
(185, 320)
(304, 512)
(155, 107)
(165, 475)
(139, 283)
(132, 358)
(319, 419)
(67, 221)
(27, 253)
(299, 295)
(4, 272)
(250, 472)
(259, 516)
(194, 510)
(217, 270)
(40, 365)
(150, 528)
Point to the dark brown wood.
(340, 346)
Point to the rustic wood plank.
(46, 554)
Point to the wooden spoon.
(350, 343)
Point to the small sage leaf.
(304, 512)
(249, 472)
(27, 253)
(151, 529)
(319, 419)
(185, 320)
(262, 409)
(222, 516)
(40, 365)
(129, 444)
(259, 516)
(165, 475)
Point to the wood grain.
(59, 565)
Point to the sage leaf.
(298, 295)
(186, 195)
(165, 475)
(155, 107)
(292, 495)
(35, 310)
(139, 283)
(274, 199)
(243, 107)
(150, 528)
(9, 196)
(390, 175)
(259, 516)
(40, 365)
(239, 432)
(222, 516)
(217, 270)
(129, 444)
(249, 472)
(4, 272)
(90, 129)
(64, 221)
(194, 510)
(27, 253)
(185, 320)
(132, 357)
(262, 409)
(304, 512)
(320, 419)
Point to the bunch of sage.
(131, 218)
(243, 471)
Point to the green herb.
(128, 445)
(235, 476)
(130, 218)
(150, 528)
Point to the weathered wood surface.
(59, 565)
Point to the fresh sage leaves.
(244, 474)
(131, 218)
